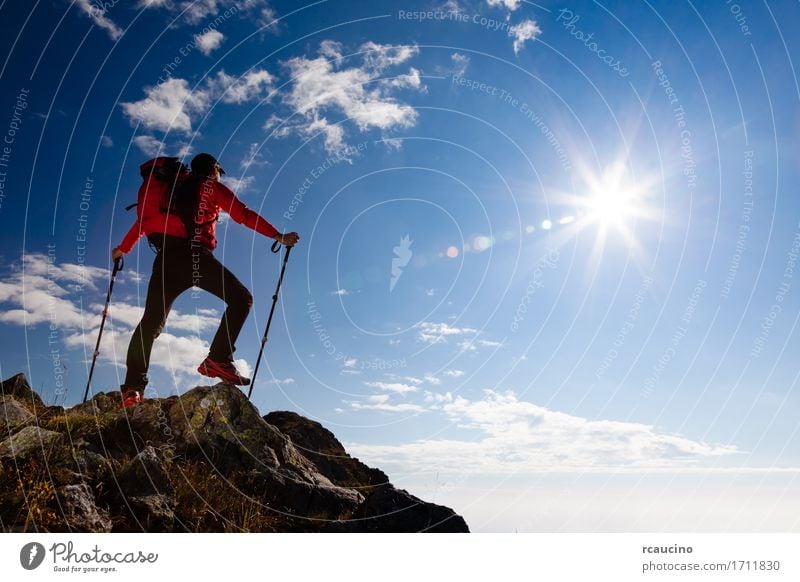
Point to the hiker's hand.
(116, 253)
(289, 239)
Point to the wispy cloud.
(98, 14)
(168, 106)
(435, 333)
(523, 32)
(254, 85)
(53, 293)
(197, 11)
(473, 345)
(239, 184)
(381, 403)
(209, 41)
(396, 387)
(431, 379)
(513, 436)
(457, 67)
(509, 4)
(253, 157)
(171, 106)
(152, 146)
(324, 86)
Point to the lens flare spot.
(452, 252)
(547, 224)
(481, 243)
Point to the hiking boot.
(131, 397)
(225, 371)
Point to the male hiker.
(185, 238)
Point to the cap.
(203, 164)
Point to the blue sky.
(549, 251)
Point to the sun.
(610, 200)
(614, 203)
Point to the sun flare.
(610, 200)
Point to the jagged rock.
(80, 511)
(100, 403)
(13, 412)
(153, 512)
(203, 461)
(394, 510)
(17, 387)
(327, 454)
(385, 508)
(30, 440)
(145, 475)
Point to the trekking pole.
(276, 247)
(118, 264)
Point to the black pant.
(178, 266)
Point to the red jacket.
(213, 197)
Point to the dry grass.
(205, 502)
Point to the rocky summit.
(205, 461)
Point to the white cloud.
(350, 363)
(253, 157)
(436, 398)
(106, 141)
(168, 106)
(431, 379)
(454, 373)
(381, 402)
(238, 184)
(460, 64)
(396, 387)
(209, 41)
(268, 20)
(184, 150)
(517, 436)
(414, 380)
(472, 345)
(340, 292)
(324, 87)
(273, 122)
(254, 85)
(379, 57)
(149, 145)
(152, 146)
(98, 16)
(435, 333)
(54, 293)
(171, 105)
(197, 11)
(130, 315)
(510, 4)
(283, 381)
(523, 32)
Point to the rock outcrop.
(205, 461)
